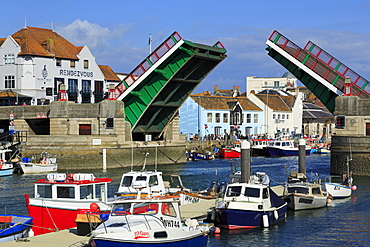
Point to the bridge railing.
(147, 63)
(337, 66)
(318, 64)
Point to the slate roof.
(224, 102)
(312, 111)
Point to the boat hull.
(239, 219)
(277, 152)
(50, 216)
(337, 190)
(6, 172)
(297, 201)
(229, 153)
(199, 240)
(30, 168)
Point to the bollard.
(245, 161)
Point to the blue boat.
(6, 169)
(285, 148)
(13, 227)
(250, 205)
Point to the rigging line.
(47, 209)
(49, 145)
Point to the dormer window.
(58, 62)
(86, 64)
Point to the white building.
(36, 61)
(258, 84)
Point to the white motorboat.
(156, 186)
(45, 164)
(250, 205)
(339, 186)
(147, 222)
(300, 194)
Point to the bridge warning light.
(340, 122)
(110, 123)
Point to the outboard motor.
(222, 188)
(214, 186)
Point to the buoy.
(329, 200)
(265, 219)
(94, 207)
(217, 230)
(354, 187)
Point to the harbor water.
(345, 222)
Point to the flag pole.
(150, 43)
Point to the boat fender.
(354, 187)
(217, 230)
(276, 214)
(213, 215)
(265, 219)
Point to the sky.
(117, 31)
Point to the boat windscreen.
(301, 190)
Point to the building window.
(273, 116)
(282, 116)
(86, 64)
(209, 117)
(86, 91)
(72, 63)
(287, 116)
(249, 118)
(225, 118)
(9, 59)
(9, 81)
(278, 116)
(217, 130)
(218, 118)
(58, 62)
(255, 118)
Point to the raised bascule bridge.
(320, 72)
(154, 91)
(327, 78)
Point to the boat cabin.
(77, 187)
(147, 182)
(308, 189)
(257, 190)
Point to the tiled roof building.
(37, 61)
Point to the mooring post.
(302, 156)
(104, 159)
(245, 161)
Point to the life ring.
(2, 162)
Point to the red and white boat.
(58, 198)
(233, 152)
